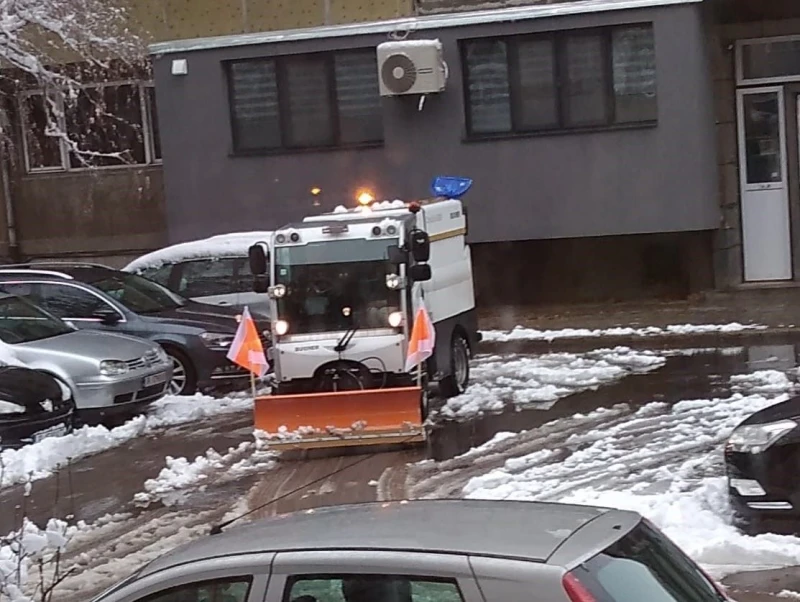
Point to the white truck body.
(448, 295)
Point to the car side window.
(370, 588)
(160, 274)
(207, 277)
(244, 277)
(69, 302)
(220, 590)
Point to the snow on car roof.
(234, 244)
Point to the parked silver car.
(431, 550)
(107, 373)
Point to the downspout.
(8, 201)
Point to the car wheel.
(184, 379)
(456, 382)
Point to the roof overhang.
(412, 24)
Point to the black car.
(762, 458)
(197, 336)
(33, 405)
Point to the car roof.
(86, 273)
(509, 529)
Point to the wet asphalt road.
(107, 482)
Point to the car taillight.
(576, 591)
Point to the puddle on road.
(688, 374)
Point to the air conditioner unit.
(411, 67)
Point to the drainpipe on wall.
(11, 224)
(327, 8)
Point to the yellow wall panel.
(354, 11)
(267, 15)
(202, 18)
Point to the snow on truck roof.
(531, 531)
(234, 244)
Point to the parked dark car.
(33, 405)
(197, 336)
(762, 458)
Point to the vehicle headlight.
(281, 327)
(217, 339)
(757, 438)
(395, 319)
(278, 291)
(113, 367)
(393, 281)
(161, 354)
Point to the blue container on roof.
(450, 187)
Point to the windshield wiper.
(344, 342)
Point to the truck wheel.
(456, 382)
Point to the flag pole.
(253, 382)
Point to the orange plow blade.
(340, 419)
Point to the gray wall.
(660, 179)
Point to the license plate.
(53, 431)
(155, 379)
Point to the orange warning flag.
(423, 338)
(246, 349)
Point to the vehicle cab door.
(323, 576)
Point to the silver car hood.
(92, 344)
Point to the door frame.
(745, 187)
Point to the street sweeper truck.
(373, 310)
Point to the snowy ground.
(39, 460)
(503, 381)
(664, 461)
(520, 333)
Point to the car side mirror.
(397, 256)
(108, 317)
(258, 255)
(420, 272)
(260, 283)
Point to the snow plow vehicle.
(373, 310)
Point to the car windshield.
(24, 322)
(335, 286)
(645, 565)
(138, 294)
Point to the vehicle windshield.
(23, 322)
(138, 294)
(645, 565)
(335, 286)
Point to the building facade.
(572, 119)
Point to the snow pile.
(539, 382)
(182, 477)
(39, 460)
(32, 547)
(234, 244)
(520, 333)
(662, 461)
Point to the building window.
(305, 101)
(103, 125)
(560, 81)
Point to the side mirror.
(420, 244)
(420, 272)
(260, 283)
(107, 316)
(258, 255)
(396, 255)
